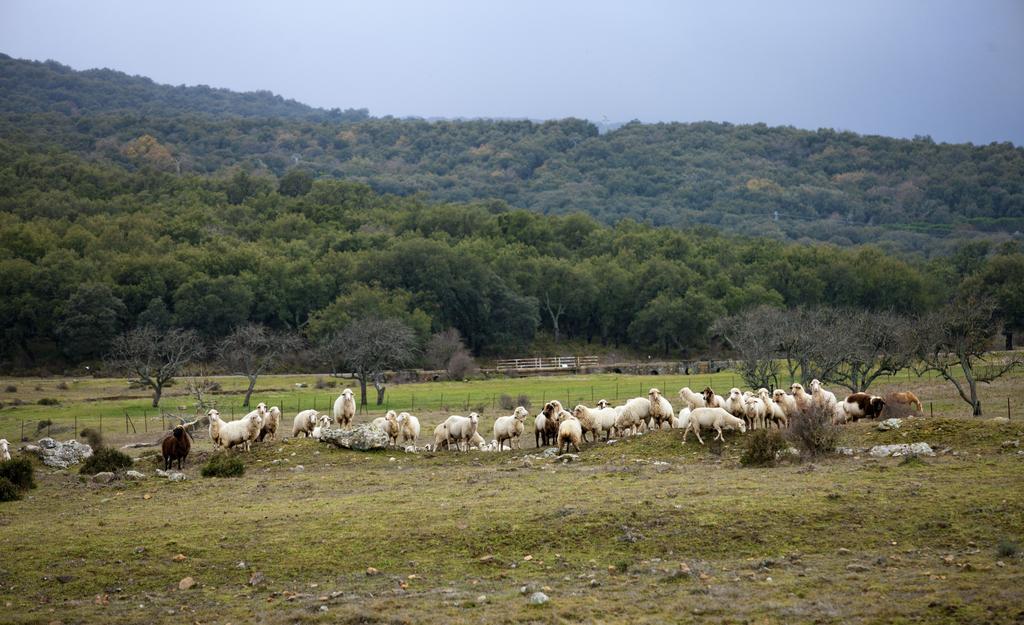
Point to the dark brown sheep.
(176, 446)
(862, 405)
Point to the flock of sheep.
(740, 410)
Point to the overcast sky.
(950, 69)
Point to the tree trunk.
(1009, 340)
(362, 390)
(248, 392)
(158, 390)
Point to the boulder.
(889, 424)
(363, 437)
(538, 598)
(103, 477)
(60, 455)
(920, 449)
(134, 475)
(176, 477)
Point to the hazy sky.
(953, 70)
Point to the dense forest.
(907, 196)
(123, 206)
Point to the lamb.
(803, 400)
(601, 418)
(906, 398)
(5, 450)
(825, 400)
(270, 421)
(862, 405)
(716, 418)
(390, 426)
(304, 423)
(461, 429)
(176, 446)
(409, 427)
(661, 409)
(323, 422)
(711, 399)
(510, 428)
(241, 432)
(440, 436)
(683, 420)
(344, 408)
(734, 403)
(570, 432)
(631, 415)
(691, 399)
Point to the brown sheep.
(176, 446)
(862, 405)
(906, 398)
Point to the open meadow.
(644, 530)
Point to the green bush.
(18, 471)
(43, 424)
(106, 459)
(223, 465)
(94, 437)
(762, 448)
(1007, 549)
(47, 401)
(8, 491)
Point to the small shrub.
(913, 460)
(762, 448)
(63, 386)
(215, 387)
(18, 471)
(94, 437)
(8, 491)
(48, 401)
(813, 433)
(43, 424)
(1007, 549)
(10, 388)
(461, 366)
(506, 402)
(223, 465)
(106, 459)
(523, 400)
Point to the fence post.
(22, 429)
(125, 421)
(1007, 408)
(76, 426)
(413, 406)
(101, 424)
(931, 409)
(145, 422)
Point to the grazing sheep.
(304, 423)
(711, 399)
(241, 432)
(632, 415)
(716, 418)
(344, 408)
(691, 399)
(570, 432)
(409, 426)
(603, 418)
(906, 398)
(826, 400)
(510, 428)
(176, 446)
(734, 403)
(440, 436)
(661, 409)
(5, 450)
(461, 429)
(270, 421)
(800, 396)
(861, 405)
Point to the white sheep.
(461, 429)
(270, 421)
(602, 417)
(691, 399)
(570, 432)
(755, 410)
(540, 434)
(410, 427)
(825, 400)
(712, 399)
(510, 429)
(344, 408)
(787, 403)
(717, 418)
(304, 423)
(323, 422)
(390, 426)
(734, 403)
(240, 432)
(800, 396)
(632, 415)
(5, 450)
(682, 421)
(774, 413)
(661, 409)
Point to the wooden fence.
(553, 363)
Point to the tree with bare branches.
(252, 349)
(367, 348)
(755, 335)
(154, 357)
(870, 344)
(953, 342)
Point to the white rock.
(176, 477)
(135, 475)
(889, 424)
(882, 451)
(538, 598)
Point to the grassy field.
(645, 530)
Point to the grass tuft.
(105, 459)
(1007, 548)
(223, 465)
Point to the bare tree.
(252, 349)
(953, 342)
(445, 350)
(200, 386)
(154, 357)
(368, 347)
(755, 335)
(870, 345)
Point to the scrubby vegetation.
(223, 465)
(19, 471)
(105, 459)
(762, 448)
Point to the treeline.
(840, 187)
(89, 250)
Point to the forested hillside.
(905, 195)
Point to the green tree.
(295, 182)
(89, 321)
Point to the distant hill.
(779, 182)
